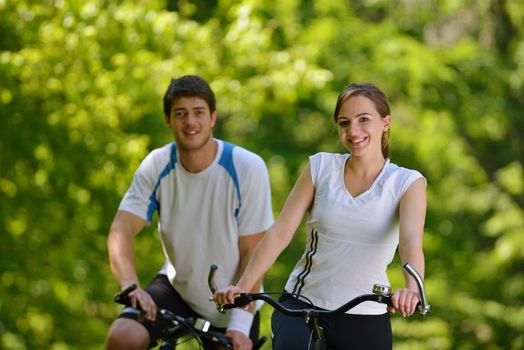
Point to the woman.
(360, 208)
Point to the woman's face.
(360, 126)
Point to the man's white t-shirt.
(201, 216)
(350, 241)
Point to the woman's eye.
(343, 123)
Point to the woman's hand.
(226, 295)
(405, 301)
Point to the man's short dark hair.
(188, 86)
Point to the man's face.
(191, 123)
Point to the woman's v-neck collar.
(373, 185)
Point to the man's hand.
(240, 340)
(148, 306)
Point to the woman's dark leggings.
(342, 332)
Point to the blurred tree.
(80, 106)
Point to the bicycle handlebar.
(177, 326)
(381, 294)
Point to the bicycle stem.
(424, 307)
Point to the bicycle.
(177, 329)
(380, 293)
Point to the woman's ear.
(387, 122)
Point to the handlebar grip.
(122, 297)
(227, 307)
(242, 300)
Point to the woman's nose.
(353, 129)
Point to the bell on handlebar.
(382, 290)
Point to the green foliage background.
(80, 105)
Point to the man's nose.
(191, 118)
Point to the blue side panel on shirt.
(153, 200)
(226, 160)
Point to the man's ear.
(214, 117)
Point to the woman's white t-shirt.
(350, 241)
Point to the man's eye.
(179, 115)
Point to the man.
(213, 202)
